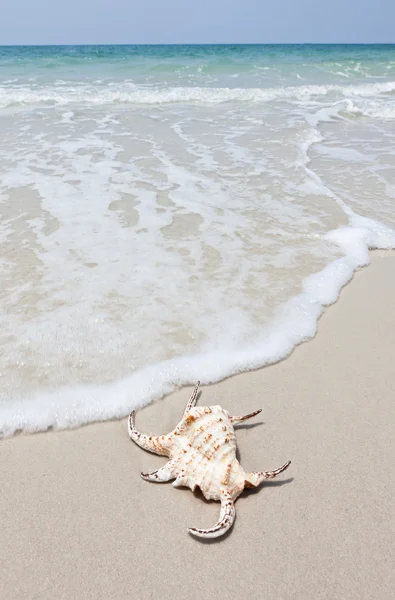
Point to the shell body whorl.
(203, 446)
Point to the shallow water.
(175, 213)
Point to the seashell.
(202, 453)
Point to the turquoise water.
(175, 213)
(231, 65)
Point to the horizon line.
(199, 44)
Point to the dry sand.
(78, 522)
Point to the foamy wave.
(296, 321)
(372, 109)
(129, 94)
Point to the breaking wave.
(128, 93)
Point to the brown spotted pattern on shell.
(202, 453)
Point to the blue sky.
(197, 21)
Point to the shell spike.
(162, 475)
(152, 443)
(255, 479)
(237, 419)
(226, 519)
(193, 399)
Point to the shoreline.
(294, 322)
(79, 521)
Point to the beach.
(175, 213)
(79, 522)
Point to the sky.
(199, 21)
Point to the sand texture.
(78, 521)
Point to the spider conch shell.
(202, 453)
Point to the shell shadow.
(251, 491)
(247, 425)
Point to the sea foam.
(295, 322)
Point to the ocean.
(175, 213)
